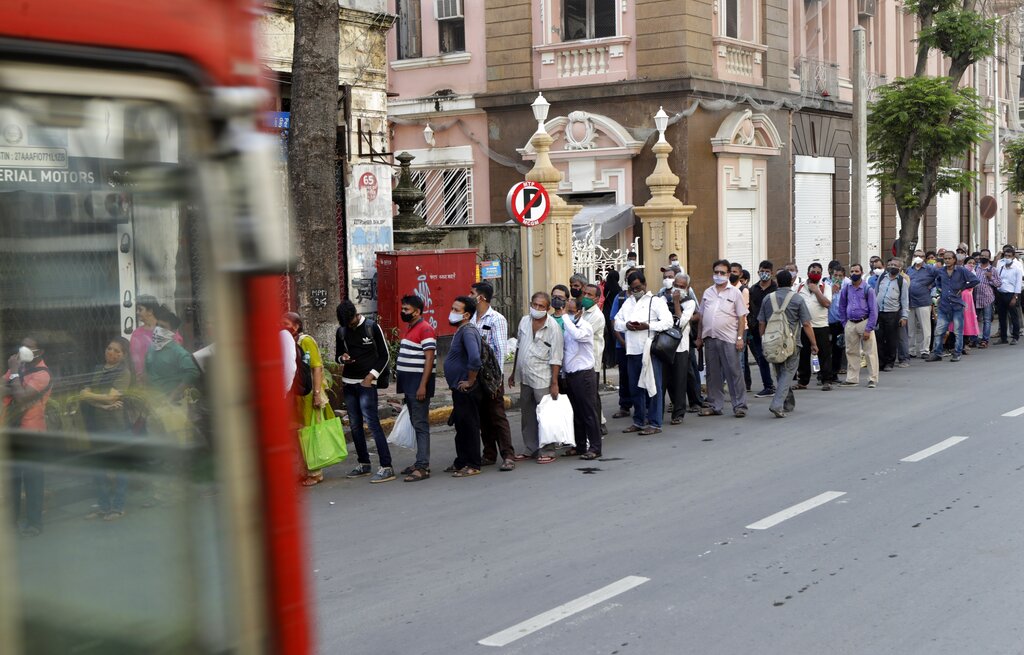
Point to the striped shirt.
(497, 335)
(411, 356)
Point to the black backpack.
(490, 370)
(302, 382)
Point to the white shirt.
(1011, 278)
(578, 353)
(595, 317)
(819, 313)
(288, 356)
(649, 309)
(687, 306)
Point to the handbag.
(665, 344)
(323, 441)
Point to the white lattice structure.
(589, 256)
(449, 195)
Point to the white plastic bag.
(403, 434)
(554, 418)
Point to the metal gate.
(506, 300)
(589, 257)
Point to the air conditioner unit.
(867, 8)
(447, 9)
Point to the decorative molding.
(746, 133)
(450, 59)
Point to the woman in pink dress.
(971, 330)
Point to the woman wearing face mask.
(102, 407)
(971, 330)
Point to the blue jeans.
(647, 409)
(30, 478)
(986, 321)
(943, 318)
(419, 414)
(110, 491)
(361, 403)
(762, 363)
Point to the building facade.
(760, 98)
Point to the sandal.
(545, 459)
(522, 457)
(507, 465)
(632, 428)
(452, 469)
(465, 472)
(313, 480)
(646, 432)
(570, 452)
(622, 413)
(707, 411)
(677, 421)
(590, 455)
(417, 474)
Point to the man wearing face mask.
(559, 294)
(1008, 296)
(765, 286)
(24, 394)
(951, 281)
(837, 280)
(415, 380)
(919, 318)
(858, 313)
(576, 284)
(817, 296)
(461, 367)
(578, 364)
(537, 365)
(876, 272)
(893, 298)
(683, 307)
(640, 317)
(985, 296)
(722, 323)
(592, 314)
(631, 263)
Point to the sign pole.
(529, 261)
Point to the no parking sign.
(528, 204)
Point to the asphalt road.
(913, 557)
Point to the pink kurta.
(970, 315)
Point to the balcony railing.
(739, 61)
(588, 61)
(818, 79)
(872, 81)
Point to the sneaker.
(934, 358)
(740, 413)
(827, 386)
(903, 365)
(887, 368)
(778, 413)
(1013, 342)
(765, 393)
(872, 385)
(383, 474)
(955, 358)
(847, 383)
(359, 471)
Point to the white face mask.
(918, 260)
(667, 283)
(878, 271)
(25, 355)
(537, 314)
(673, 262)
(454, 318)
(720, 279)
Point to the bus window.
(109, 467)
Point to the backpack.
(490, 370)
(302, 381)
(779, 340)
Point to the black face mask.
(407, 317)
(557, 302)
(733, 279)
(575, 293)
(893, 270)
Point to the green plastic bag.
(323, 442)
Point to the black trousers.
(494, 429)
(888, 334)
(675, 377)
(625, 395)
(693, 396)
(1003, 308)
(28, 477)
(466, 410)
(823, 337)
(838, 361)
(586, 419)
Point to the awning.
(608, 220)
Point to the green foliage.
(928, 7)
(959, 34)
(917, 129)
(1014, 169)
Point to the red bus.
(148, 492)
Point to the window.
(410, 45)
(451, 35)
(730, 25)
(588, 19)
(448, 198)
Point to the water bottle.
(815, 366)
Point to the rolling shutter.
(812, 230)
(739, 237)
(947, 220)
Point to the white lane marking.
(529, 626)
(1015, 412)
(928, 452)
(799, 508)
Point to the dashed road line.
(529, 626)
(1014, 412)
(937, 448)
(795, 510)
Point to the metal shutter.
(739, 237)
(873, 232)
(947, 220)
(812, 231)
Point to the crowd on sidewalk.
(823, 327)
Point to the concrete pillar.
(664, 217)
(859, 170)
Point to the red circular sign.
(528, 204)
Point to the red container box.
(436, 276)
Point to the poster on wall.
(368, 226)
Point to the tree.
(920, 126)
(311, 157)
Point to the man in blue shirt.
(951, 282)
(461, 367)
(922, 278)
(858, 312)
(893, 298)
